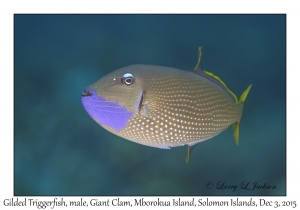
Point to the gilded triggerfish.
(164, 107)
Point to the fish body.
(162, 107)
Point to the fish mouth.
(86, 92)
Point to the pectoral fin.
(142, 106)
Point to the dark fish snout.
(86, 93)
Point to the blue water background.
(60, 150)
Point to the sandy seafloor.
(60, 150)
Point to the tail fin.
(236, 125)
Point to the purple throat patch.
(105, 112)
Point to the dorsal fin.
(198, 67)
(198, 70)
(223, 85)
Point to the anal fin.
(189, 151)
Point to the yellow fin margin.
(218, 78)
(187, 159)
(199, 57)
(236, 132)
(236, 126)
(213, 76)
(244, 95)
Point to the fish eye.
(127, 79)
